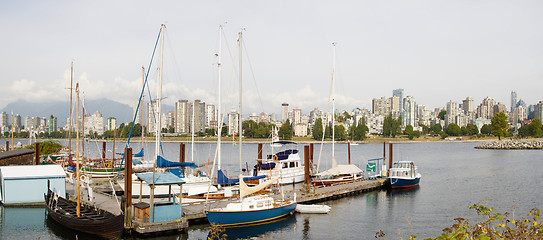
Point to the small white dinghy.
(303, 208)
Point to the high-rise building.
(513, 100)
(52, 124)
(499, 108)
(519, 114)
(182, 117)
(467, 105)
(379, 106)
(233, 122)
(409, 116)
(284, 112)
(211, 116)
(486, 108)
(452, 113)
(198, 109)
(297, 116)
(139, 116)
(94, 123)
(538, 110)
(393, 106)
(399, 93)
(111, 124)
(152, 117)
(4, 122)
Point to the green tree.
(436, 128)
(361, 130)
(285, 131)
(464, 131)
(249, 127)
(535, 128)
(317, 129)
(339, 132)
(499, 125)
(486, 129)
(409, 131)
(442, 114)
(453, 130)
(391, 126)
(472, 129)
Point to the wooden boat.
(305, 208)
(92, 221)
(82, 218)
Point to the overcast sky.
(435, 50)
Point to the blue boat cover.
(266, 166)
(224, 180)
(284, 142)
(161, 178)
(140, 154)
(177, 172)
(283, 154)
(161, 162)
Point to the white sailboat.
(250, 208)
(338, 173)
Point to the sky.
(435, 50)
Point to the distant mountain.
(109, 108)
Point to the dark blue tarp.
(140, 154)
(284, 142)
(224, 180)
(161, 162)
(266, 166)
(283, 154)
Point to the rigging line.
(253, 74)
(139, 102)
(323, 125)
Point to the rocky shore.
(512, 144)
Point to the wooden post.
(307, 181)
(384, 149)
(311, 154)
(349, 150)
(181, 152)
(389, 155)
(37, 153)
(128, 188)
(104, 150)
(7, 146)
(259, 151)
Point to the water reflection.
(264, 230)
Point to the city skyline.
(435, 51)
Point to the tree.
(409, 131)
(285, 131)
(534, 128)
(442, 114)
(391, 126)
(361, 130)
(339, 132)
(453, 130)
(436, 128)
(486, 129)
(317, 129)
(499, 125)
(464, 131)
(472, 129)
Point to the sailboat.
(83, 218)
(251, 207)
(338, 173)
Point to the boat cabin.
(406, 169)
(26, 185)
(165, 209)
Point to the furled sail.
(245, 190)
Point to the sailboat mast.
(219, 116)
(77, 155)
(333, 101)
(142, 104)
(192, 132)
(240, 127)
(70, 120)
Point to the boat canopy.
(163, 163)
(224, 180)
(139, 154)
(161, 178)
(245, 190)
(341, 170)
(284, 142)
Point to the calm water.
(454, 176)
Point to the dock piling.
(37, 153)
(104, 150)
(128, 188)
(307, 180)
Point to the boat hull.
(404, 182)
(95, 222)
(330, 182)
(234, 218)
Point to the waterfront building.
(467, 105)
(94, 123)
(519, 114)
(393, 106)
(139, 116)
(211, 116)
(409, 114)
(111, 124)
(17, 123)
(4, 122)
(424, 114)
(152, 107)
(198, 109)
(170, 120)
(513, 100)
(399, 93)
(538, 110)
(297, 116)
(181, 117)
(379, 106)
(499, 108)
(52, 124)
(300, 129)
(233, 122)
(452, 113)
(486, 108)
(284, 112)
